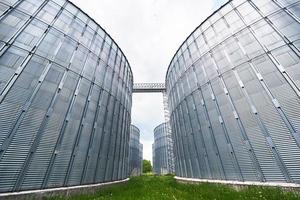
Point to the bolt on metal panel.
(233, 92)
(63, 82)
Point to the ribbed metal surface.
(233, 90)
(65, 98)
(135, 152)
(161, 157)
(141, 149)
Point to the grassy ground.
(165, 187)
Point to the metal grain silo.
(65, 98)
(141, 158)
(233, 90)
(134, 152)
(161, 159)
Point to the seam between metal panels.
(66, 36)
(112, 117)
(192, 134)
(13, 79)
(280, 68)
(233, 67)
(109, 143)
(178, 152)
(121, 157)
(216, 11)
(102, 128)
(121, 139)
(185, 136)
(119, 174)
(179, 139)
(291, 82)
(274, 102)
(187, 159)
(231, 150)
(257, 116)
(179, 136)
(246, 27)
(212, 136)
(9, 42)
(63, 67)
(126, 147)
(189, 167)
(286, 9)
(110, 137)
(95, 125)
(269, 93)
(229, 70)
(120, 122)
(201, 133)
(119, 111)
(127, 151)
(208, 164)
(67, 116)
(56, 93)
(194, 142)
(243, 134)
(33, 147)
(92, 136)
(121, 136)
(10, 8)
(79, 132)
(26, 59)
(162, 162)
(262, 126)
(228, 141)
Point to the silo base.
(238, 185)
(59, 192)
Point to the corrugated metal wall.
(160, 149)
(233, 90)
(135, 152)
(63, 81)
(141, 149)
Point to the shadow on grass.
(149, 187)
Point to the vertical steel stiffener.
(233, 90)
(162, 163)
(135, 152)
(63, 81)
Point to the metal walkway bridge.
(148, 87)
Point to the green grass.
(165, 187)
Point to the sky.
(149, 32)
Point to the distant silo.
(141, 158)
(161, 159)
(134, 152)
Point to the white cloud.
(149, 32)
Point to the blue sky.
(149, 33)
